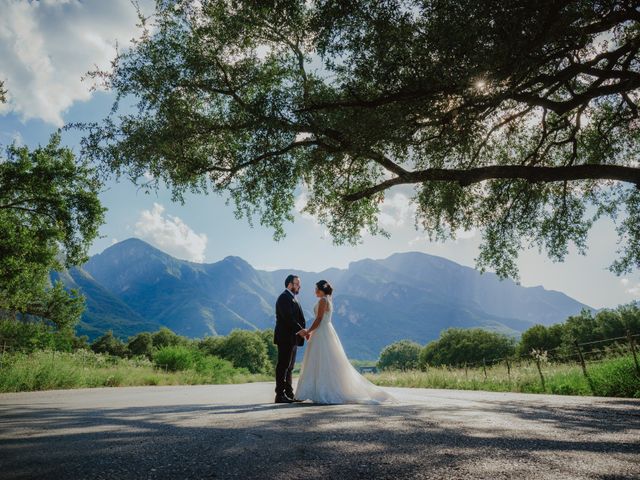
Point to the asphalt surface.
(234, 431)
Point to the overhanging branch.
(529, 173)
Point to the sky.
(47, 47)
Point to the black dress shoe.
(283, 399)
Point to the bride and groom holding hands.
(326, 375)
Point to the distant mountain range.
(133, 287)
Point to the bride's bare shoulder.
(325, 301)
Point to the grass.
(611, 378)
(49, 370)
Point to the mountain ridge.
(406, 295)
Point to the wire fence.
(564, 354)
(623, 345)
(581, 353)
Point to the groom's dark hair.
(289, 279)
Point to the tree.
(212, 346)
(517, 118)
(49, 215)
(110, 345)
(457, 346)
(630, 317)
(272, 350)
(243, 348)
(402, 355)
(141, 344)
(539, 337)
(165, 337)
(3, 93)
(581, 328)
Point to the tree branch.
(528, 173)
(259, 158)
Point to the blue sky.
(48, 46)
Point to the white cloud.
(462, 234)
(12, 137)
(630, 288)
(396, 211)
(418, 240)
(46, 47)
(300, 203)
(171, 234)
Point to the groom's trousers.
(284, 368)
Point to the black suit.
(289, 320)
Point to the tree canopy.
(516, 118)
(459, 346)
(49, 215)
(401, 355)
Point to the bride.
(327, 376)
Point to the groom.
(289, 334)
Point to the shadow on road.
(311, 441)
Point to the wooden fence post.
(484, 368)
(466, 377)
(508, 370)
(584, 366)
(633, 351)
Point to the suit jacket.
(289, 320)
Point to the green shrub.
(402, 355)
(175, 358)
(109, 344)
(25, 336)
(141, 345)
(615, 378)
(272, 349)
(166, 338)
(457, 346)
(243, 348)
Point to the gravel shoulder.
(235, 431)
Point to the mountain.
(192, 299)
(132, 286)
(104, 311)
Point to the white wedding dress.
(327, 376)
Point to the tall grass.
(48, 370)
(612, 378)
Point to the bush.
(212, 346)
(218, 368)
(166, 338)
(243, 348)
(272, 349)
(31, 335)
(402, 355)
(246, 350)
(110, 345)
(175, 358)
(141, 345)
(615, 378)
(457, 346)
(540, 337)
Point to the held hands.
(304, 333)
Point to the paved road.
(233, 431)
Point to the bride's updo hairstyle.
(325, 287)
